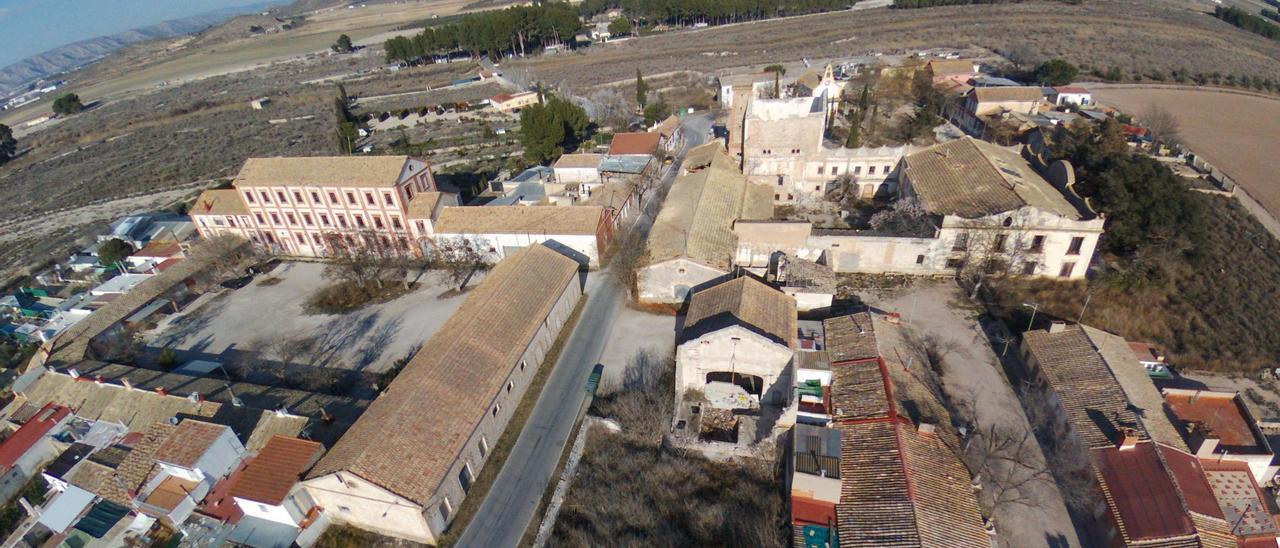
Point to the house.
(256, 498)
(1123, 433)
(945, 71)
(691, 244)
(635, 144)
(738, 338)
(258, 104)
(28, 448)
(581, 168)
(815, 484)
(1219, 427)
(513, 102)
(1071, 95)
(582, 232)
(404, 468)
(155, 253)
(811, 284)
(983, 105)
(193, 457)
(671, 134)
(987, 208)
(902, 483)
(119, 285)
(315, 206)
(783, 148)
(628, 167)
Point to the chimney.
(98, 379)
(1057, 327)
(160, 390)
(73, 373)
(127, 383)
(926, 429)
(1129, 439)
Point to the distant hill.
(16, 77)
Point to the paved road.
(509, 507)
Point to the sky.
(28, 27)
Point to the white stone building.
(740, 332)
(992, 209)
(582, 232)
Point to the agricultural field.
(1138, 36)
(1233, 131)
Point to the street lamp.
(1035, 307)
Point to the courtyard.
(265, 322)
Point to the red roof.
(502, 98)
(277, 467)
(159, 250)
(635, 143)
(165, 264)
(1186, 470)
(219, 504)
(1134, 130)
(1071, 89)
(807, 510)
(1222, 413)
(1146, 352)
(30, 433)
(1144, 498)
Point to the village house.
(582, 232)
(1218, 426)
(1122, 432)
(580, 168)
(405, 467)
(29, 448)
(309, 205)
(691, 244)
(898, 482)
(1071, 95)
(671, 135)
(983, 105)
(257, 499)
(509, 102)
(738, 336)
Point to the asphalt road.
(509, 507)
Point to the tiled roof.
(875, 508)
(423, 205)
(950, 67)
(858, 391)
(579, 160)
(412, 433)
(226, 201)
(551, 220)
(972, 178)
(1002, 94)
(346, 171)
(1190, 479)
(1071, 89)
(100, 480)
(31, 432)
(947, 512)
(1137, 386)
(640, 142)
(696, 220)
(668, 127)
(1240, 499)
(701, 156)
(159, 248)
(136, 468)
(272, 473)
(746, 302)
(851, 337)
(188, 442)
(1096, 405)
(1144, 499)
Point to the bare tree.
(608, 107)
(1008, 465)
(366, 258)
(1023, 55)
(628, 255)
(1162, 124)
(457, 261)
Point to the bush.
(348, 296)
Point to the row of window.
(1028, 267)
(370, 199)
(339, 220)
(465, 476)
(857, 170)
(998, 244)
(770, 151)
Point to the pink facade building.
(305, 206)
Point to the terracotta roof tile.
(1143, 496)
(346, 171)
(188, 442)
(579, 220)
(423, 205)
(412, 433)
(636, 143)
(743, 301)
(226, 201)
(275, 469)
(972, 178)
(851, 337)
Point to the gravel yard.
(267, 321)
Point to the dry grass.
(630, 489)
(348, 296)
(1135, 35)
(1218, 314)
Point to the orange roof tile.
(277, 467)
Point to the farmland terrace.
(1135, 35)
